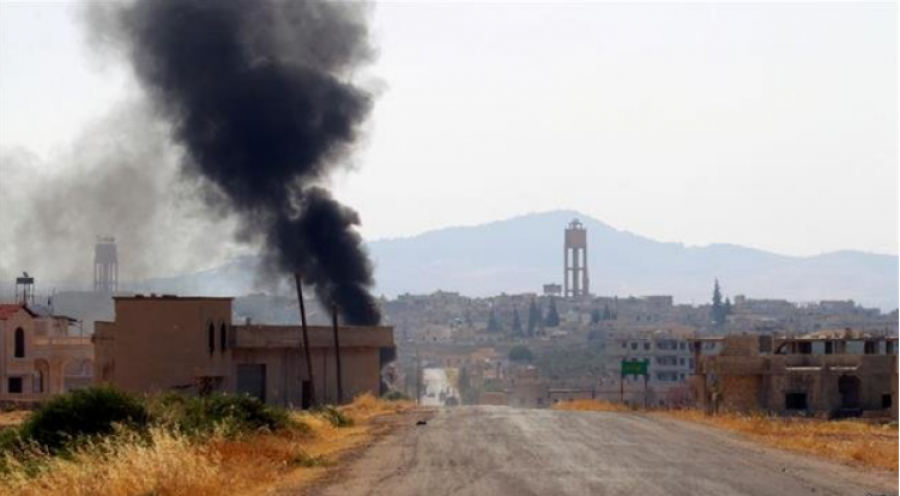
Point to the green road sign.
(634, 368)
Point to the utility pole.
(337, 353)
(418, 378)
(305, 344)
(645, 391)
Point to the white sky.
(766, 125)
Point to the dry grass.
(847, 441)
(13, 418)
(589, 406)
(172, 465)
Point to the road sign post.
(635, 368)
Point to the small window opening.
(19, 345)
(212, 338)
(795, 401)
(14, 385)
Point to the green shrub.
(335, 416)
(232, 413)
(84, 413)
(10, 440)
(395, 396)
(520, 353)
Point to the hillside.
(522, 253)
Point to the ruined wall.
(740, 393)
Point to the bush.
(520, 353)
(84, 413)
(335, 416)
(395, 396)
(10, 440)
(233, 413)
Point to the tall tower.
(575, 277)
(106, 265)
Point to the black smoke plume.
(259, 95)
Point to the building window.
(886, 400)
(14, 385)
(223, 337)
(829, 347)
(19, 345)
(795, 401)
(646, 346)
(633, 346)
(870, 348)
(211, 338)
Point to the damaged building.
(825, 375)
(190, 344)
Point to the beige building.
(829, 376)
(41, 355)
(168, 343)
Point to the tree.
(552, 319)
(520, 353)
(596, 316)
(727, 308)
(717, 312)
(535, 317)
(517, 323)
(493, 323)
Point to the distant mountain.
(520, 254)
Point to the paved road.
(436, 386)
(505, 451)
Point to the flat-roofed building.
(823, 375)
(189, 344)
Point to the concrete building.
(576, 281)
(826, 376)
(106, 266)
(41, 355)
(670, 365)
(166, 343)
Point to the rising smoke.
(119, 177)
(259, 95)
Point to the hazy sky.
(767, 125)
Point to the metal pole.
(418, 378)
(305, 345)
(337, 353)
(645, 390)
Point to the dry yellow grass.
(589, 406)
(847, 441)
(13, 418)
(171, 465)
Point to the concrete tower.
(106, 265)
(575, 277)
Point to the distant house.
(41, 355)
